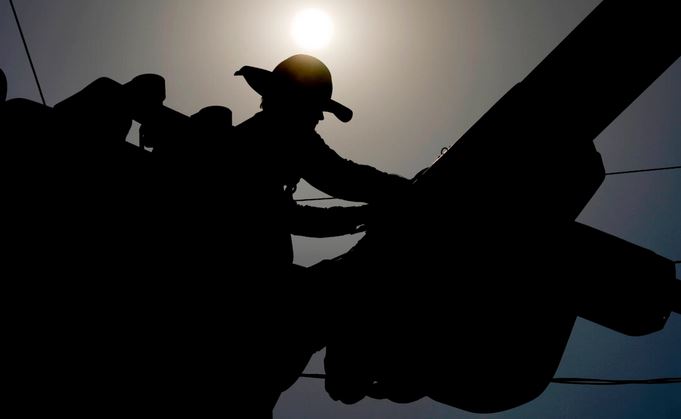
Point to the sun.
(312, 29)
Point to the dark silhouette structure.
(138, 272)
(453, 328)
(206, 218)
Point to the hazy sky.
(417, 74)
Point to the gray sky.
(417, 74)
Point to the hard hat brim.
(262, 80)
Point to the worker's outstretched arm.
(327, 222)
(342, 178)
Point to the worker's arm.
(325, 170)
(326, 222)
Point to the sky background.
(417, 74)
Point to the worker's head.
(299, 87)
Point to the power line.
(326, 198)
(318, 376)
(576, 380)
(655, 169)
(28, 54)
(602, 382)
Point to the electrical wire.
(602, 382)
(576, 380)
(655, 169)
(624, 172)
(28, 54)
(326, 198)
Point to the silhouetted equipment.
(418, 308)
(114, 253)
(496, 267)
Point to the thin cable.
(656, 169)
(326, 198)
(576, 380)
(28, 54)
(318, 376)
(601, 382)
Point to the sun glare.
(312, 29)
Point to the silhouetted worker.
(282, 148)
(294, 97)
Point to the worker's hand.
(360, 228)
(355, 370)
(362, 216)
